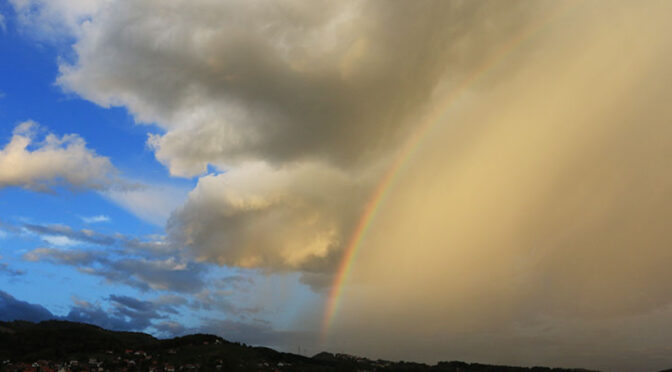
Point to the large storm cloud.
(301, 104)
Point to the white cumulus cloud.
(40, 164)
(264, 217)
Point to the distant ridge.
(52, 345)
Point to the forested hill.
(52, 345)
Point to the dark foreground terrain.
(67, 346)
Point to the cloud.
(150, 202)
(120, 317)
(535, 204)
(144, 264)
(52, 161)
(236, 281)
(125, 313)
(6, 270)
(170, 329)
(65, 235)
(96, 219)
(54, 20)
(57, 234)
(154, 246)
(13, 309)
(300, 107)
(283, 83)
(70, 257)
(263, 217)
(3, 27)
(254, 332)
(258, 333)
(169, 302)
(59, 241)
(164, 274)
(220, 301)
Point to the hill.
(51, 345)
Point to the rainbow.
(380, 193)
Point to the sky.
(484, 181)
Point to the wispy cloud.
(59, 240)
(153, 203)
(96, 219)
(65, 234)
(7, 270)
(163, 274)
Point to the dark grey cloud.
(7, 270)
(221, 301)
(118, 318)
(123, 313)
(170, 329)
(171, 303)
(13, 309)
(147, 265)
(317, 281)
(259, 332)
(127, 313)
(167, 274)
(235, 281)
(133, 303)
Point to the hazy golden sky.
(531, 226)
